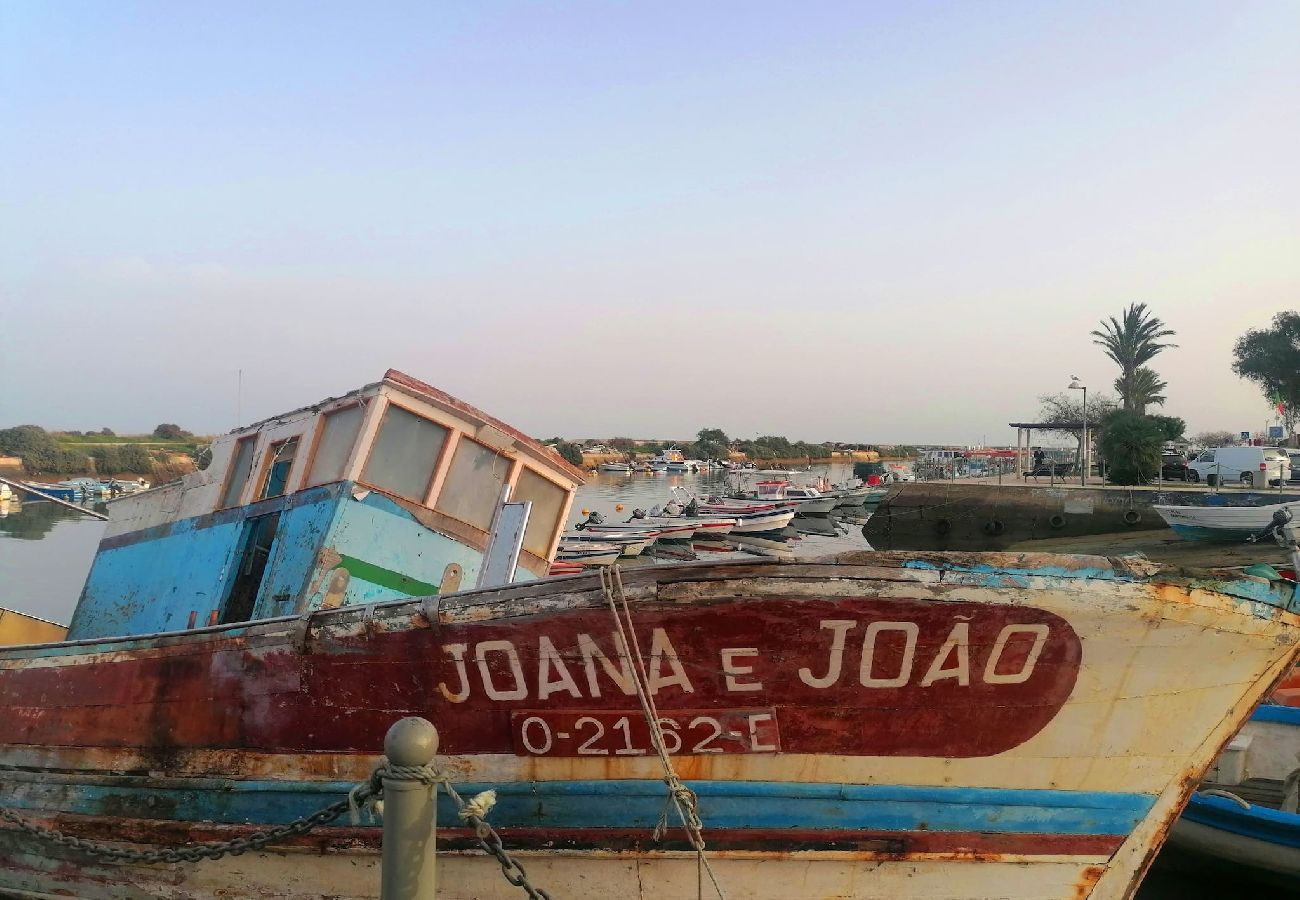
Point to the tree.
(1171, 427)
(1066, 409)
(107, 432)
(711, 443)
(571, 453)
(169, 432)
(1270, 357)
(1141, 389)
(1214, 438)
(1130, 443)
(1132, 341)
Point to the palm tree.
(1132, 341)
(1142, 389)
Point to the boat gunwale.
(1070, 567)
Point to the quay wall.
(945, 515)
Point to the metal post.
(1083, 445)
(410, 815)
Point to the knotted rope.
(679, 795)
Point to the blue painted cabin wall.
(381, 532)
(151, 580)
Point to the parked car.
(1174, 467)
(1256, 466)
(1295, 465)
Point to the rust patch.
(1087, 881)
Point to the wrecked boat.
(897, 725)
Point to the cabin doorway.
(254, 554)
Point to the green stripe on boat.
(396, 581)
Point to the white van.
(1240, 465)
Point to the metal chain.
(511, 869)
(367, 792)
(216, 850)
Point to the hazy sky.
(833, 221)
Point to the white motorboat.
(617, 468)
(633, 543)
(705, 526)
(1222, 523)
(589, 553)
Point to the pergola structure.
(1025, 437)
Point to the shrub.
(1130, 443)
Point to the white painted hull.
(1226, 520)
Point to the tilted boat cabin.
(357, 499)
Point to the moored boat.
(615, 468)
(70, 493)
(1222, 522)
(589, 553)
(1246, 813)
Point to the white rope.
(680, 796)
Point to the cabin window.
(337, 435)
(276, 469)
(405, 454)
(473, 484)
(241, 463)
(548, 504)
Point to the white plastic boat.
(589, 553)
(1221, 522)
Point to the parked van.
(1241, 465)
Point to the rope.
(679, 795)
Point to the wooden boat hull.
(1257, 835)
(878, 725)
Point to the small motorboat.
(589, 553)
(634, 543)
(616, 468)
(1221, 523)
(1246, 811)
(70, 493)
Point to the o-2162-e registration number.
(605, 733)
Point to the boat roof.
(427, 392)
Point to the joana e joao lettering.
(856, 676)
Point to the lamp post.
(1076, 385)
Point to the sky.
(832, 221)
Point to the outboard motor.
(637, 514)
(1283, 530)
(692, 508)
(594, 518)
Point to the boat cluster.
(78, 489)
(670, 461)
(754, 520)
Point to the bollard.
(410, 815)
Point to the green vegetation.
(569, 451)
(1132, 341)
(1130, 443)
(1271, 358)
(40, 452)
(70, 452)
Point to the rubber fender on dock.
(1132, 517)
(942, 526)
(1057, 521)
(994, 527)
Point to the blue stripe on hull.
(637, 803)
(1259, 822)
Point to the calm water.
(46, 551)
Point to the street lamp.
(1076, 385)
